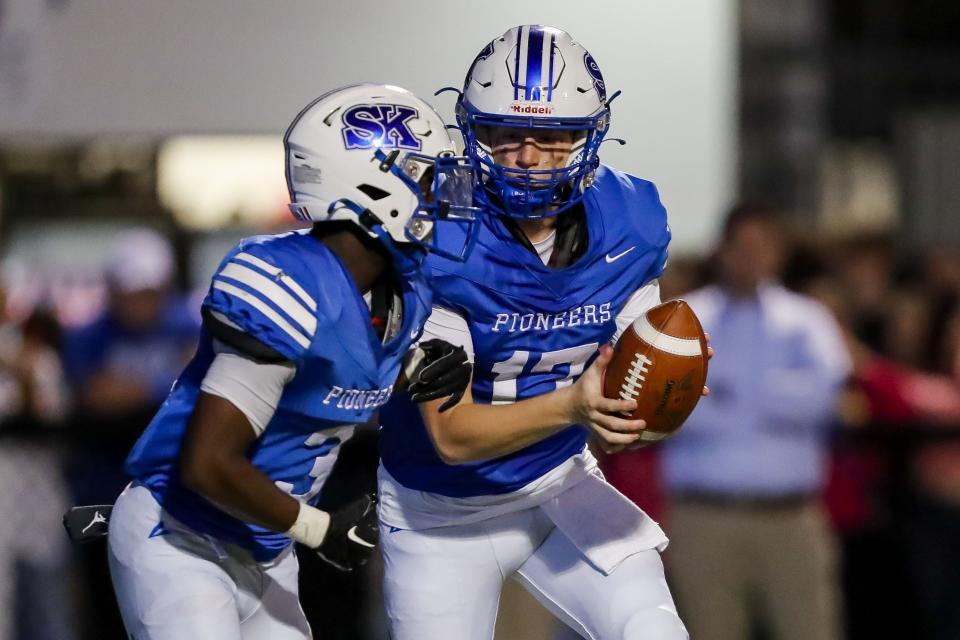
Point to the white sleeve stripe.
(273, 293)
(285, 278)
(260, 306)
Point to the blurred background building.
(157, 126)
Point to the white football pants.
(173, 583)
(445, 583)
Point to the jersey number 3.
(573, 359)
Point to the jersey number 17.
(508, 371)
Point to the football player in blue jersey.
(503, 484)
(226, 474)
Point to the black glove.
(352, 535)
(437, 369)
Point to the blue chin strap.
(532, 193)
(527, 202)
(406, 260)
(447, 206)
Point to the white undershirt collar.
(544, 248)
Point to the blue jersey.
(534, 329)
(294, 295)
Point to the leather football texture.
(661, 362)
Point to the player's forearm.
(471, 432)
(242, 490)
(214, 464)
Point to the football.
(661, 362)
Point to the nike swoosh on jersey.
(353, 537)
(609, 258)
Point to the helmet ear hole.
(372, 192)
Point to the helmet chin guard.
(534, 78)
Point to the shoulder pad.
(638, 205)
(633, 212)
(265, 288)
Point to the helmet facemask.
(444, 188)
(532, 193)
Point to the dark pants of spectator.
(96, 476)
(736, 566)
(934, 549)
(873, 564)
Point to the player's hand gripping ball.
(661, 362)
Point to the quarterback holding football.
(503, 485)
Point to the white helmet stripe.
(549, 51)
(522, 60)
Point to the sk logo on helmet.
(369, 126)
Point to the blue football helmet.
(534, 77)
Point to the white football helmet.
(380, 157)
(534, 77)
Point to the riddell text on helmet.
(531, 108)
